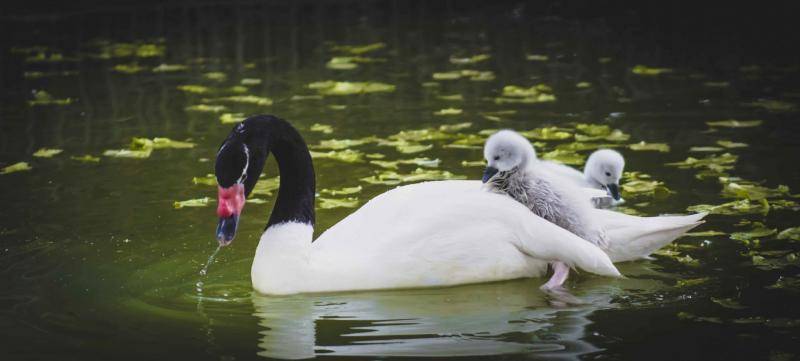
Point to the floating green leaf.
(330, 203)
(194, 88)
(208, 180)
(265, 187)
(169, 68)
(336, 144)
(394, 178)
(759, 231)
(537, 57)
(729, 303)
(16, 167)
(454, 127)
(596, 130)
(470, 60)
(616, 135)
(86, 158)
(349, 88)
(199, 202)
(250, 81)
(42, 97)
(786, 283)
(640, 184)
(790, 233)
(422, 162)
(359, 49)
(691, 282)
(131, 68)
(729, 144)
(733, 123)
(128, 153)
(564, 156)
(452, 97)
(704, 234)
(216, 76)
(205, 108)
(648, 71)
(159, 143)
(47, 152)
(579, 146)
(773, 263)
(322, 128)
(473, 163)
(705, 149)
(342, 191)
(716, 163)
(347, 155)
(659, 147)
(743, 206)
(539, 93)
(245, 99)
(448, 111)
(230, 118)
(548, 133)
(749, 190)
(583, 85)
(772, 105)
(305, 97)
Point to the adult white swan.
(420, 235)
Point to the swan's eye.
(497, 157)
(608, 174)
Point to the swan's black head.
(241, 159)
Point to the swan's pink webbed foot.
(560, 274)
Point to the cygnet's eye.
(608, 174)
(497, 157)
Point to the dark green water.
(95, 262)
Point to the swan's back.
(446, 233)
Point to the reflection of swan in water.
(485, 319)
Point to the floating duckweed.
(579, 146)
(583, 85)
(337, 107)
(473, 75)
(110, 50)
(729, 303)
(42, 74)
(564, 156)
(498, 115)
(730, 144)
(169, 68)
(453, 97)
(448, 111)
(790, 233)
(394, 178)
(42, 97)
(194, 88)
(537, 57)
(648, 71)
(246, 99)
(758, 231)
(705, 149)
(347, 155)
(411, 148)
(640, 184)
(359, 49)
(128, 153)
(199, 202)
(548, 133)
(593, 129)
(205, 108)
(47, 152)
(417, 135)
(772, 105)
(468, 141)
(296, 98)
(470, 60)
(375, 156)
(774, 263)
(688, 260)
(450, 75)
(733, 123)
(208, 180)
(86, 158)
(350, 62)
(230, 118)
(16, 167)
(616, 135)
(539, 93)
(739, 207)
(250, 81)
(642, 146)
(237, 89)
(482, 76)
(692, 282)
(473, 163)
(41, 57)
(342, 191)
(322, 128)
(159, 143)
(265, 187)
(421, 162)
(786, 283)
(704, 234)
(748, 190)
(216, 76)
(717, 84)
(330, 203)
(716, 163)
(131, 68)
(455, 127)
(256, 201)
(336, 144)
(348, 88)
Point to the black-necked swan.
(420, 235)
(512, 159)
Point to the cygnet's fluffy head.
(604, 170)
(504, 151)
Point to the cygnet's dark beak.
(489, 173)
(613, 190)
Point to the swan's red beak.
(231, 201)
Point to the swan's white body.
(422, 235)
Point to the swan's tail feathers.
(558, 244)
(632, 238)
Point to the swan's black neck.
(260, 135)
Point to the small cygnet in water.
(513, 169)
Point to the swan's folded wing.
(632, 238)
